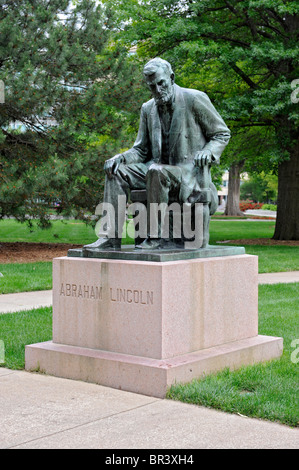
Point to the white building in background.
(222, 193)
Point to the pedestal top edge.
(156, 263)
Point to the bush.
(270, 207)
(246, 205)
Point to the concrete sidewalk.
(25, 301)
(44, 412)
(29, 300)
(276, 278)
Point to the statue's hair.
(154, 64)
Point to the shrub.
(270, 207)
(246, 205)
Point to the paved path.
(25, 301)
(261, 213)
(44, 412)
(276, 278)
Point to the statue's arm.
(214, 128)
(141, 150)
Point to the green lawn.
(237, 229)
(19, 329)
(25, 277)
(74, 231)
(268, 391)
(275, 258)
(61, 231)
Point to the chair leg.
(206, 225)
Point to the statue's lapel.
(177, 118)
(175, 128)
(156, 133)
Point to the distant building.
(222, 193)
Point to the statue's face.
(161, 86)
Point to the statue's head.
(159, 77)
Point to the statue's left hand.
(202, 158)
(111, 165)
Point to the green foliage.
(259, 188)
(244, 54)
(254, 34)
(70, 102)
(269, 207)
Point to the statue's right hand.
(111, 165)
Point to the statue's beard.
(164, 98)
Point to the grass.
(19, 329)
(275, 258)
(25, 277)
(237, 229)
(76, 232)
(269, 390)
(61, 231)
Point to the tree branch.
(243, 75)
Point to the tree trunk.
(287, 219)
(233, 197)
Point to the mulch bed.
(21, 252)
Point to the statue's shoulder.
(191, 94)
(147, 107)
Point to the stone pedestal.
(142, 326)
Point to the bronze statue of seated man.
(180, 136)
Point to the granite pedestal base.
(142, 326)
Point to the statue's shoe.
(105, 244)
(150, 244)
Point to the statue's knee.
(157, 175)
(155, 168)
(158, 171)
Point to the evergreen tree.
(68, 105)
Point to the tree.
(68, 105)
(254, 158)
(255, 44)
(259, 188)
